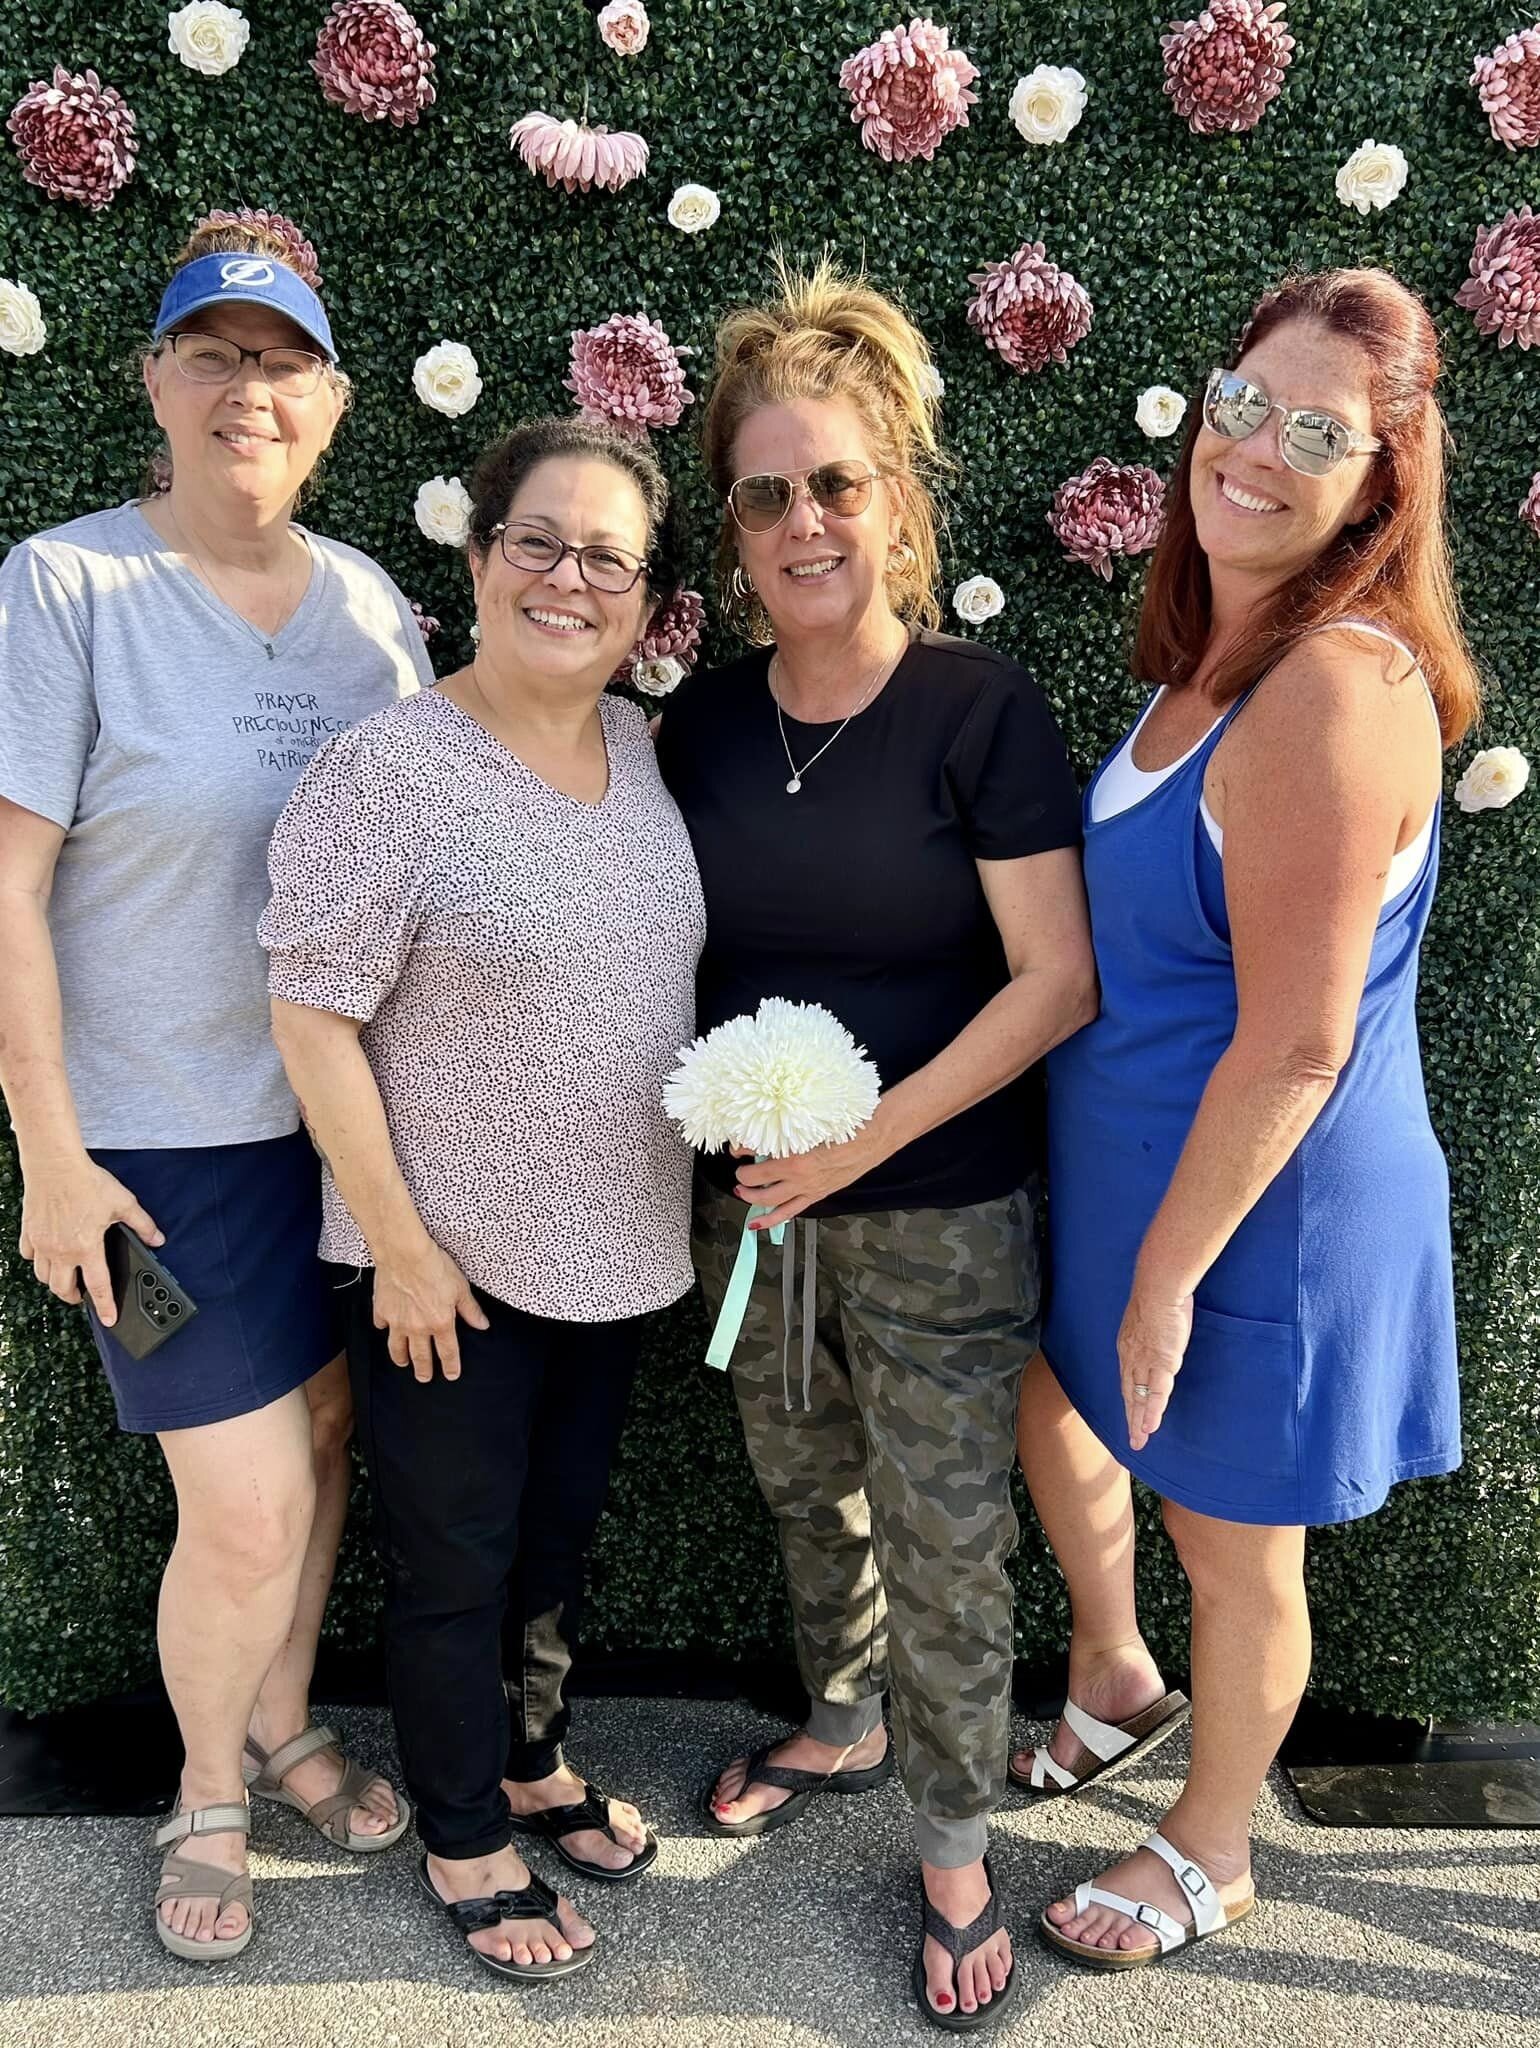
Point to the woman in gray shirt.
(168, 668)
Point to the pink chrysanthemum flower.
(673, 635)
(910, 90)
(427, 625)
(1503, 289)
(572, 154)
(1029, 310)
(627, 373)
(373, 59)
(1225, 68)
(302, 255)
(1109, 509)
(1529, 511)
(75, 137)
(1509, 83)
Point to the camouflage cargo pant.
(891, 1488)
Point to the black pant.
(486, 1493)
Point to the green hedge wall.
(438, 230)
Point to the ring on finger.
(1142, 1392)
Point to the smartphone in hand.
(151, 1304)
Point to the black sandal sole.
(644, 1858)
(525, 1973)
(958, 2022)
(844, 1785)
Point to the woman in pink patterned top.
(483, 936)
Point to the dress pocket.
(1231, 1430)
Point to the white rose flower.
(22, 330)
(978, 599)
(1047, 103)
(657, 678)
(1494, 778)
(443, 511)
(208, 36)
(692, 208)
(932, 385)
(1160, 411)
(1372, 176)
(624, 27)
(447, 378)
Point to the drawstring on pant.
(809, 1306)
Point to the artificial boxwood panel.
(438, 231)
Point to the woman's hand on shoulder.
(419, 1295)
(67, 1208)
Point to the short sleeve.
(349, 863)
(416, 647)
(1010, 775)
(48, 721)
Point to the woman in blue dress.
(1253, 1309)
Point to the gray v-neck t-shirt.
(164, 734)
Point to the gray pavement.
(1363, 1939)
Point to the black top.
(861, 891)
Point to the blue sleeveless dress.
(1321, 1369)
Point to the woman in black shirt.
(886, 824)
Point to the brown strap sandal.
(184, 1877)
(265, 1771)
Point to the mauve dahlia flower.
(427, 625)
(674, 634)
(75, 137)
(302, 257)
(1529, 511)
(1109, 509)
(373, 59)
(1225, 68)
(1509, 84)
(572, 154)
(1029, 310)
(628, 374)
(910, 90)
(1503, 289)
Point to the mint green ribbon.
(735, 1302)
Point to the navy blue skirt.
(242, 1225)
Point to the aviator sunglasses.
(760, 502)
(1310, 441)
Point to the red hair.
(1391, 567)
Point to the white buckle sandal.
(1209, 1915)
(1105, 1743)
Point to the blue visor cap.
(245, 280)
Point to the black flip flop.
(591, 1811)
(958, 1941)
(536, 1901)
(802, 1785)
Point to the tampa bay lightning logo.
(245, 272)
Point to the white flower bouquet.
(785, 1080)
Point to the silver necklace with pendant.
(797, 773)
(265, 639)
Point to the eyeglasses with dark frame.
(759, 503)
(613, 570)
(211, 359)
(1311, 441)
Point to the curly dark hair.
(502, 467)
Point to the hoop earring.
(900, 556)
(740, 585)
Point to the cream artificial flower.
(22, 328)
(932, 384)
(624, 27)
(443, 511)
(694, 208)
(978, 599)
(1160, 411)
(208, 36)
(658, 677)
(447, 378)
(1047, 103)
(1494, 778)
(781, 1081)
(1372, 176)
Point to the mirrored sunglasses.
(1311, 441)
(761, 502)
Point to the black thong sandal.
(802, 1785)
(535, 1901)
(958, 1943)
(552, 1823)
